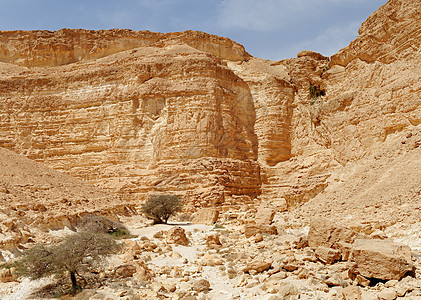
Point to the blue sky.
(272, 29)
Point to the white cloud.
(251, 14)
(330, 41)
(266, 15)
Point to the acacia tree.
(76, 253)
(160, 207)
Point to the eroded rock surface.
(194, 114)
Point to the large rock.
(201, 285)
(327, 255)
(213, 241)
(264, 215)
(328, 234)
(351, 292)
(257, 266)
(125, 271)
(177, 235)
(252, 229)
(208, 216)
(381, 259)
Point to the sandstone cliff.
(154, 118)
(47, 48)
(192, 113)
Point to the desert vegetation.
(160, 207)
(76, 254)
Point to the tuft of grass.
(122, 234)
(218, 226)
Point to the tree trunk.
(73, 278)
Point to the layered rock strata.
(192, 113)
(55, 48)
(152, 119)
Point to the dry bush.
(184, 217)
(76, 254)
(160, 207)
(102, 224)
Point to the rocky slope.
(194, 114)
(35, 198)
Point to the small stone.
(170, 286)
(391, 283)
(290, 266)
(402, 290)
(327, 255)
(253, 229)
(211, 260)
(362, 280)
(258, 238)
(201, 285)
(387, 294)
(333, 281)
(6, 276)
(345, 249)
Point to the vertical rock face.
(153, 119)
(195, 114)
(273, 96)
(389, 34)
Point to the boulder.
(177, 235)
(327, 255)
(212, 241)
(252, 229)
(143, 272)
(327, 234)
(387, 294)
(201, 285)
(381, 259)
(351, 292)
(257, 266)
(211, 260)
(206, 216)
(125, 271)
(264, 215)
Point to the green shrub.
(160, 207)
(315, 92)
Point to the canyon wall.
(152, 119)
(55, 48)
(194, 114)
